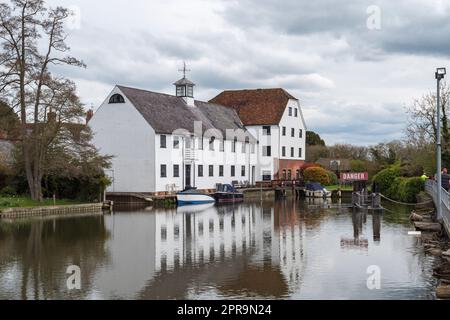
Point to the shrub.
(409, 189)
(309, 165)
(334, 180)
(385, 178)
(317, 174)
(8, 191)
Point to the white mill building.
(162, 142)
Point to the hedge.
(316, 174)
(334, 180)
(399, 188)
(385, 178)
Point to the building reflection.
(252, 247)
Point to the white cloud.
(352, 82)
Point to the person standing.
(445, 179)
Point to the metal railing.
(431, 189)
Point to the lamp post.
(440, 74)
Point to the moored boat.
(316, 190)
(193, 196)
(226, 193)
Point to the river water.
(283, 249)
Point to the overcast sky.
(354, 71)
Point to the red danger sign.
(355, 176)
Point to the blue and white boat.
(193, 196)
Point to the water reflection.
(280, 249)
(35, 254)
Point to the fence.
(431, 189)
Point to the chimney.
(89, 115)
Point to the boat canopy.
(314, 186)
(225, 188)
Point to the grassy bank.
(25, 202)
(336, 187)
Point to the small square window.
(267, 151)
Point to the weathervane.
(184, 70)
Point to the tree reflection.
(41, 250)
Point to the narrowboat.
(226, 193)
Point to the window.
(267, 176)
(211, 171)
(284, 131)
(116, 98)
(163, 142)
(292, 153)
(190, 91)
(283, 152)
(200, 170)
(233, 171)
(188, 143)
(211, 144)
(222, 146)
(296, 113)
(220, 171)
(300, 152)
(283, 177)
(267, 131)
(289, 177)
(163, 171)
(181, 90)
(290, 112)
(233, 145)
(293, 133)
(301, 133)
(176, 171)
(297, 175)
(267, 151)
(243, 171)
(176, 142)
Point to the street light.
(440, 74)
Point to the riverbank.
(62, 210)
(26, 202)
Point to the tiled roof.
(168, 113)
(256, 107)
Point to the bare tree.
(422, 116)
(32, 39)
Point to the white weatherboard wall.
(169, 156)
(121, 131)
(297, 124)
(266, 163)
